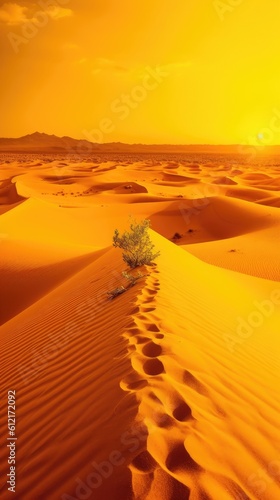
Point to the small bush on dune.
(177, 236)
(132, 279)
(117, 291)
(137, 245)
(131, 282)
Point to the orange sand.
(169, 391)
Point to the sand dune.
(224, 180)
(192, 386)
(212, 219)
(169, 391)
(9, 197)
(29, 271)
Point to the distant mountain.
(39, 142)
(45, 143)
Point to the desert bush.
(131, 282)
(177, 236)
(117, 291)
(132, 279)
(136, 243)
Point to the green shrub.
(136, 243)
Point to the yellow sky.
(153, 71)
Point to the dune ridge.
(172, 395)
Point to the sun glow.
(67, 66)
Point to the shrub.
(177, 236)
(132, 279)
(131, 282)
(136, 243)
(117, 291)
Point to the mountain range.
(45, 143)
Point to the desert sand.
(171, 390)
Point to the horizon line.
(148, 144)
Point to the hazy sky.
(181, 71)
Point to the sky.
(149, 71)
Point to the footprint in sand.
(153, 367)
(132, 331)
(150, 291)
(182, 412)
(153, 328)
(156, 285)
(152, 350)
(159, 336)
(142, 317)
(179, 459)
(159, 417)
(135, 336)
(155, 398)
(147, 309)
(141, 340)
(175, 405)
(136, 386)
(144, 463)
(135, 310)
(192, 382)
(149, 300)
(163, 420)
(133, 382)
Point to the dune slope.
(183, 389)
(210, 404)
(65, 356)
